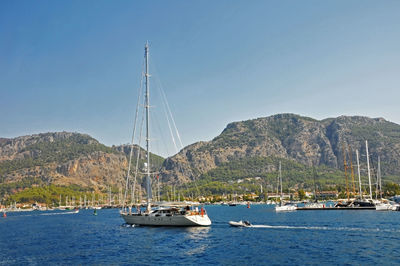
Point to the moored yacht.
(167, 214)
(285, 207)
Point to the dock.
(334, 208)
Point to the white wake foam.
(60, 213)
(325, 228)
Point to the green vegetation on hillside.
(59, 151)
(12, 188)
(248, 174)
(50, 195)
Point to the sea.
(290, 238)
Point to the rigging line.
(166, 114)
(194, 180)
(166, 104)
(167, 109)
(170, 130)
(172, 117)
(133, 140)
(157, 125)
(139, 149)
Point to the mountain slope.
(304, 140)
(62, 158)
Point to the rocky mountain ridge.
(302, 139)
(65, 158)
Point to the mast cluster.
(349, 165)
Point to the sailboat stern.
(178, 220)
(199, 220)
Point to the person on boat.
(187, 209)
(247, 223)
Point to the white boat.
(382, 206)
(166, 215)
(385, 205)
(240, 224)
(283, 206)
(287, 207)
(315, 205)
(169, 216)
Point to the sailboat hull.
(175, 220)
(285, 208)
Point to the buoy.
(248, 205)
(4, 214)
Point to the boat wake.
(60, 213)
(128, 225)
(325, 228)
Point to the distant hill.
(253, 148)
(62, 158)
(242, 158)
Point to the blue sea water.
(292, 238)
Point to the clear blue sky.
(75, 65)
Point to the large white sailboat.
(168, 214)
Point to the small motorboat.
(240, 224)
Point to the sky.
(76, 65)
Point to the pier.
(334, 208)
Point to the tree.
(391, 189)
(302, 194)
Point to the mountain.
(62, 158)
(243, 157)
(295, 139)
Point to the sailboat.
(382, 204)
(282, 206)
(167, 215)
(314, 204)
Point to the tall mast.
(352, 169)
(345, 172)
(315, 185)
(359, 174)
(280, 178)
(158, 187)
(379, 183)
(147, 126)
(369, 170)
(277, 185)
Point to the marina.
(334, 208)
(199, 133)
(287, 238)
